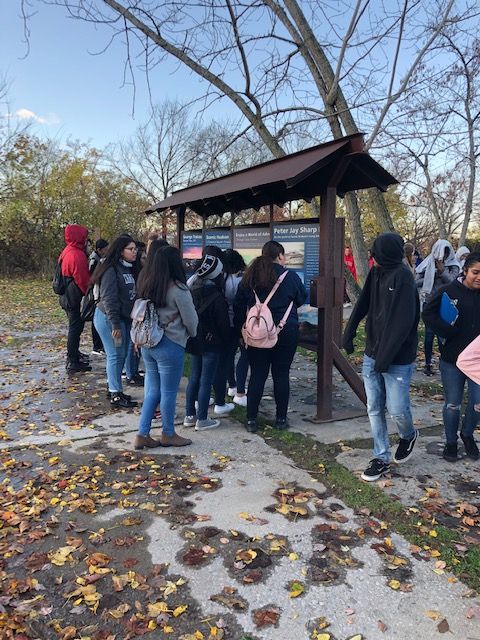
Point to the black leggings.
(279, 359)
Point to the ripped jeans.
(453, 381)
(388, 391)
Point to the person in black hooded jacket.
(390, 301)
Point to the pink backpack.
(259, 329)
(469, 361)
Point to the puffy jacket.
(74, 265)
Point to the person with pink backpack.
(265, 311)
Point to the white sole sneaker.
(240, 400)
(210, 402)
(209, 423)
(190, 421)
(231, 391)
(222, 409)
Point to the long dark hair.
(260, 273)
(163, 267)
(112, 257)
(137, 265)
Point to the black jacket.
(117, 294)
(390, 301)
(291, 289)
(467, 325)
(213, 323)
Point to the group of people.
(391, 303)
(203, 316)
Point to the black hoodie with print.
(390, 301)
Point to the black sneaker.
(83, 357)
(375, 470)
(470, 445)
(251, 426)
(108, 394)
(450, 452)
(427, 370)
(118, 400)
(281, 423)
(136, 381)
(78, 367)
(405, 449)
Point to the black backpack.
(60, 282)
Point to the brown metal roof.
(300, 175)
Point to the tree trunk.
(356, 235)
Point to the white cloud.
(27, 114)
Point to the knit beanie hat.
(210, 268)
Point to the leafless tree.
(329, 67)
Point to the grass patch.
(320, 461)
(24, 300)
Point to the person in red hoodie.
(349, 262)
(77, 276)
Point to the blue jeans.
(453, 381)
(163, 372)
(115, 354)
(388, 391)
(202, 373)
(132, 361)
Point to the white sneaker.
(210, 402)
(240, 400)
(222, 409)
(231, 391)
(208, 423)
(190, 421)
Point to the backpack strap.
(208, 301)
(279, 281)
(282, 322)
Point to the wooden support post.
(180, 227)
(349, 374)
(326, 265)
(338, 271)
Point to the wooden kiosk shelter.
(326, 170)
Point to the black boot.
(77, 367)
(120, 401)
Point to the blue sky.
(70, 92)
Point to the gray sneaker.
(208, 423)
(190, 421)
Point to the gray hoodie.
(179, 306)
